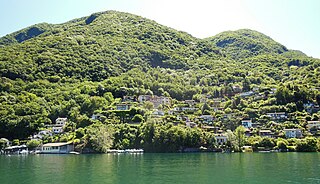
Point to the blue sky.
(294, 23)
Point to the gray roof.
(56, 144)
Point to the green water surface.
(162, 168)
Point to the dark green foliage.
(245, 43)
(80, 68)
(25, 34)
(307, 145)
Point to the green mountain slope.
(99, 46)
(245, 43)
(84, 66)
(25, 34)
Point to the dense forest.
(88, 65)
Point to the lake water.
(162, 168)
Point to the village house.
(158, 100)
(311, 108)
(236, 89)
(144, 98)
(203, 100)
(158, 112)
(129, 99)
(293, 133)
(246, 123)
(57, 148)
(206, 118)
(246, 94)
(266, 133)
(123, 106)
(190, 109)
(255, 89)
(229, 116)
(221, 139)
(96, 116)
(182, 118)
(171, 112)
(277, 115)
(247, 132)
(155, 100)
(313, 124)
(41, 134)
(191, 124)
(215, 109)
(59, 126)
(191, 103)
(210, 128)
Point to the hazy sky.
(294, 23)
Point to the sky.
(293, 23)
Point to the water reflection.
(162, 168)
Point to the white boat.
(115, 151)
(134, 150)
(23, 152)
(74, 153)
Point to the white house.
(188, 109)
(158, 112)
(190, 102)
(129, 99)
(221, 139)
(191, 124)
(57, 129)
(123, 106)
(207, 118)
(59, 126)
(61, 121)
(246, 94)
(156, 100)
(143, 98)
(57, 148)
(96, 116)
(293, 133)
(277, 115)
(265, 133)
(247, 123)
(315, 124)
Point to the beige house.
(57, 148)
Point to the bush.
(137, 118)
(307, 145)
(15, 142)
(32, 144)
(282, 145)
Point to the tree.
(282, 144)
(32, 144)
(308, 144)
(99, 137)
(267, 142)
(138, 118)
(3, 143)
(240, 137)
(205, 109)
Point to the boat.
(125, 151)
(24, 152)
(134, 151)
(247, 149)
(115, 151)
(74, 153)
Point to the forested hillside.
(87, 65)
